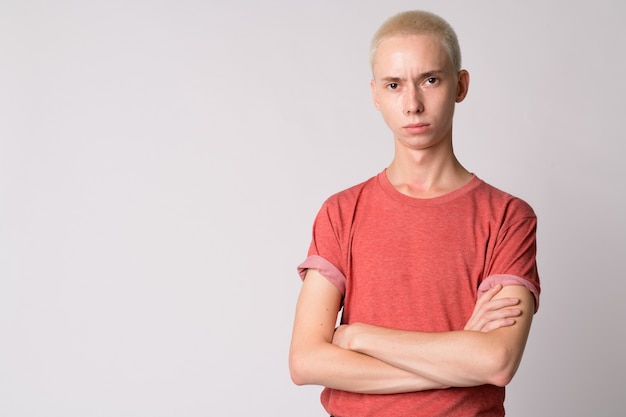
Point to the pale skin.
(415, 88)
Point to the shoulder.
(339, 209)
(501, 201)
(335, 218)
(350, 196)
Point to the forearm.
(455, 358)
(459, 358)
(314, 359)
(331, 366)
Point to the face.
(415, 87)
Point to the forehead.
(425, 52)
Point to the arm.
(456, 358)
(313, 359)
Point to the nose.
(413, 103)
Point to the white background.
(161, 163)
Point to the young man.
(434, 268)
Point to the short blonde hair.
(418, 22)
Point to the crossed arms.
(376, 360)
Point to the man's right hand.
(491, 314)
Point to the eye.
(392, 86)
(431, 80)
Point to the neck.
(426, 174)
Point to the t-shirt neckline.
(392, 192)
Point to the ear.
(374, 95)
(462, 86)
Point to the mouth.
(416, 128)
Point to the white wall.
(161, 164)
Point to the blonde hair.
(418, 22)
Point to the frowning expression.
(416, 87)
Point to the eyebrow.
(392, 79)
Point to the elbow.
(502, 367)
(298, 369)
(296, 374)
(501, 379)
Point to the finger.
(491, 292)
(497, 324)
(500, 318)
(482, 310)
(499, 303)
(488, 295)
(484, 321)
(501, 314)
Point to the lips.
(416, 128)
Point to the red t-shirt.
(419, 264)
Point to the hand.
(344, 335)
(341, 337)
(491, 314)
